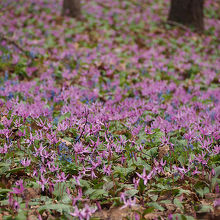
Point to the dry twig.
(9, 41)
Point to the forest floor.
(115, 116)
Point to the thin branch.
(182, 26)
(106, 133)
(84, 126)
(9, 41)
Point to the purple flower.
(19, 190)
(107, 170)
(145, 177)
(25, 162)
(88, 211)
(62, 126)
(84, 213)
(77, 213)
(122, 141)
(217, 203)
(35, 173)
(79, 148)
(129, 203)
(79, 196)
(77, 178)
(201, 158)
(93, 174)
(61, 177)
(182, 170)
(136, 182)
(16, 205)
(4, 150)
(43, 182)
(137, 216)
(170, 217)
(196, 171)
(12, 202)
(52, 167)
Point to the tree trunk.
(187, 12)
(71, 8)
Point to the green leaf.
(200, 191)
(206, 208)
(70, 31)
(183, 191)
(153, 197)
(84, 183)
(131, 192)
(21, 215)
(182, 160)
(189, 217)
(139, 162)
(122, 171)
(58, 207)
(108, 185)
(96, 193)
(4, 164)
(178, 203)
(66, 198)
(15, 170)
(166, 201)
(4, 191)
(89, 191)
(148, 210)
(66, 115)
(182, 217)
(4, 202)
(156, 206)
(152, 152)
(217, 171)
(4, 169)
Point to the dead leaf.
(31, 193)
(152, 216)
(4, 181)
(211, 196)
(170, 207)
(66, 142)
(118, 213)
(102, 214)
(162, 151)
(32, 217)
(3, 118)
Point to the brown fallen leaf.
(118, 213)
(65, 141)
(3, 118)
(32, 217)
(152, 216)
(170, 207)
(31, 193)
(162, 151)
(102, 214)
(5, 182)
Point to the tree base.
(188, 13)
(71, 8)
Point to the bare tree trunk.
(71, 8)
(187, 12)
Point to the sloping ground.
(110, 117)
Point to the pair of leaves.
(96, 193)
(61, 208)
(123, 172)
